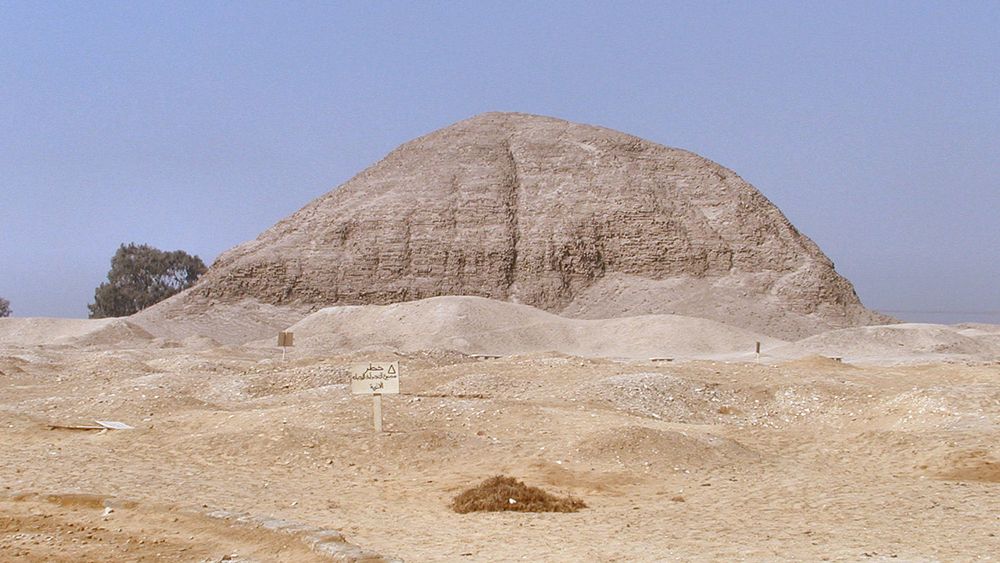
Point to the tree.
(141, 276)
(5, 308)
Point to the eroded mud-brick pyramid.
(574, 219)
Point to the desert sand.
(890, 453)
(570, 306)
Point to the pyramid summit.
(573, 219)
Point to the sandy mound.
(179, 319)
(722, 299)
(817, 362)
(663, 396)
(987, 334)
(894, 343)
(976, 465)
(12, 366)
(473, 325)
(642, 447)
(99, 528)
(109, 333)
(977, 328)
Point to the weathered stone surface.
(566, 217)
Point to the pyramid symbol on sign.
(392, 369)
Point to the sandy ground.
(239, 456)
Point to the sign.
(285, 339)
(375, 378)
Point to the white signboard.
(375, 378)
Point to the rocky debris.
(323, 541)
(329, 543)
(565, 217)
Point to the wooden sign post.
(284, 340)
(375, 379)
(377, 411)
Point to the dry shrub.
(495, 494)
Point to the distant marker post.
(285, 340)
(758, 352)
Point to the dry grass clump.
(506, 493)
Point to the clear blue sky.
(875, 126)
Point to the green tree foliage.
(141, 276)
(5, 308)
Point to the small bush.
(497, 493)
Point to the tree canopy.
(5, 308)
(142, 275)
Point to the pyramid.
(573, 219)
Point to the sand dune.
(179, 319)
(911, 342)
(38, 331)
(474, 325)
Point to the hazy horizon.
(874, 127)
